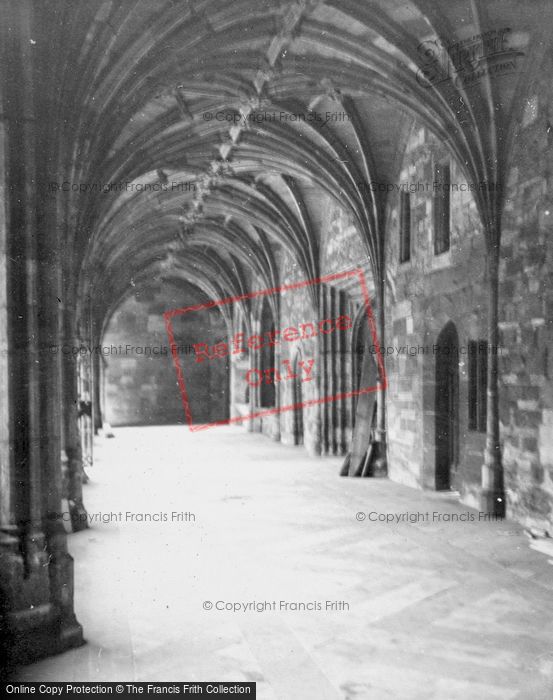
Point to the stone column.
(11, 559)
(493, 492)
(73, 486)
(25, 567)
(84, 403)
(47, 318)
(255, 391)
(60, 563)
(97, 419)
(36, 588)
(323, 382)
(331, 371)
(380, 464)
(343, 345)
(252, 422)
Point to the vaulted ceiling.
(170, 91)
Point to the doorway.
(447, 406)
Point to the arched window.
(447, 406)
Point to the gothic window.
(478, 384)
(405, 227)
(441, 186)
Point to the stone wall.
(298, 306)
(140, 380)
(342, 249)
(327, 427)
(526, 313)
(422, 296)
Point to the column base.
(36, 598)
(493, 502)
(34, 634)
(378, 467)
(373, 464)
(78, 516)
(70, 636)
(344, 471)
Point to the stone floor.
(445, 610)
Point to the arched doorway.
(298, 403)
(447, 406)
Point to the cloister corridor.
(436, 609)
